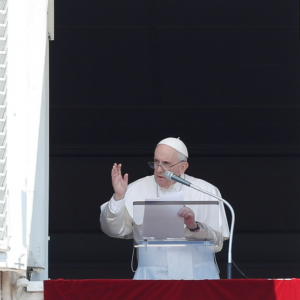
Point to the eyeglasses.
(166, 166)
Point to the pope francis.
(201, 222)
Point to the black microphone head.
(169, 174)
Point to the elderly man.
(200, 220)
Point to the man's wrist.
(194, 227)
(117, 197)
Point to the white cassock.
(116, 220)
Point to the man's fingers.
(185, 212)
(116, 176)
(116, 169)
(119, 169)
(126, 178)
(184, 209)
(181, 212)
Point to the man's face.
(166, 154)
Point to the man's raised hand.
(119, 183)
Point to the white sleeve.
(114, 205)
(206, 233)
(115, 220)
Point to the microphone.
(171, 176)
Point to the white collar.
(174, 188)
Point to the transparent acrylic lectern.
(166, 250)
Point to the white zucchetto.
(176, 144)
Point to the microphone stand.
(229, 264)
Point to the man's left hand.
(189, 217)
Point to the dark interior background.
(222, 75)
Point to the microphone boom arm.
(229, 264)
(171, 176)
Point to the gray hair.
(181, 157)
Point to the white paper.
(162, 221)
